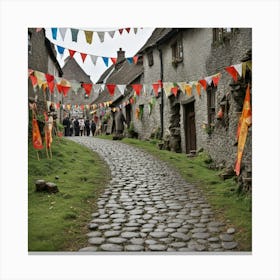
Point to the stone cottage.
(74, 73)
(42, 57)
(123, 74)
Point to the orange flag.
(245, 122)
(188, 89)
(36, 136)
(198, 89)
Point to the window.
(221, 34)
(150, 58)
(177, 51)
(29, 43)
(211, 104)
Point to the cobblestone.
(147, 206)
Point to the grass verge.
(229, 205)
(58, 222)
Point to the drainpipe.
(161, 93)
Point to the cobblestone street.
(147, 206)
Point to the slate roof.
(73, 71)
(124, 73)
(157, 35)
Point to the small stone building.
(42, 57)
(74, 73)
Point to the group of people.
(78, 127)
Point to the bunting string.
(43, 81)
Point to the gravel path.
(148, 206)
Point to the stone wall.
(201, 58)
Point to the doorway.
(189, 127)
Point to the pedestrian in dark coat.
(76, 127)
(119, 122)
(87, 126)
(93, 127)
(66, 124)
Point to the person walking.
(119, 122)
(82, 126)
(87, 126)
(76, 127)
(93, 127)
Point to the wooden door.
(189, 126)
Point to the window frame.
(177, 50)
(211, 104)
(150, 58)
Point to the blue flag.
(54, 33)
(129, 59)
(106, 60)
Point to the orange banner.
(36, 136)
(245, 122)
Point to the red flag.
(156, 87)
(65, 90)
(36, 136)
(59, 88)
(114, 60)
(232, 71)
(83, 55)
(33, 80)
(203, 83)
(127, 29)
(174, 90)
(111, 88)
(137, 88)
(71, 52)
(87, 88)
(135, 59)
(121, 31)
(50, 81)
(216, 79)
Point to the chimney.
(121, 55)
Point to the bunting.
(232, 71)
(137, 88)
(83, 56)
(54, 33)
(62, 32)
(88, 35)
(111, 88)
(74, 33)
(36, 135)
(87, 88)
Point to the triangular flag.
(135, 59)
(83, 55)
(41, 78)
(75, 86)
(167, 88)
(50, 81)
(89, 35)
(249, 64)
(156, 88)
(36, 136)
(244, 69)
(114, 60)
(203, 83)
(54, 33)
(121, 31)
(74, 33)
(216, 79)
(208, 80)
(232, 71)
(238, 68)
(71, 53)
(93, 59)
(137, 88)
(97, 88)
(121, 88)
(174, 90)
(106, 60)
(60, 50)
(127, 29)
(129, 59)
(33, 81)
(62, 32)
(198, 88)
(188, 89)
(135, 30)
(87, 88)
(111, 33)
(59, 88)
(101, 36)
(65, 90)
(65, 83)
(111, 88)
(182, 86)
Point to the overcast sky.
(129, 42)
